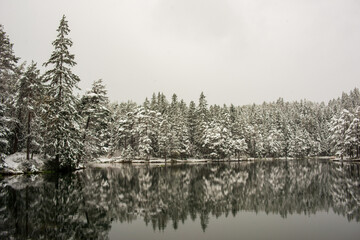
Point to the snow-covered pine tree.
(162, 103)
(28, 103)
(338, 127)
(191, 126)
(352, 135)
(63, 141)
(273, 143)
(96, 115)
(153, 103)
(142, 130)
(185, 145)
(119, 128)
(201, 123)
(8, 62)
(4, 132)
(8, 78)
(175, 120)
(164, 137)
(214, 141)
(239, 147)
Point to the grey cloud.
(235, 51)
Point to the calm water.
(259, 200)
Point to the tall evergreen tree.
(201, 123)
(8, 77)
(62, 130)
(8, 62)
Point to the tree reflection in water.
(84, 204)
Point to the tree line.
(40, 114)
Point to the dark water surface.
(299, 199)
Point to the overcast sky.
(235, 51)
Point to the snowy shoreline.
(17, 164)
(106, 160)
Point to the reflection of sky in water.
(258, 200)
(247, 225)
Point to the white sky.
(236, 51)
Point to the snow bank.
(17, 164)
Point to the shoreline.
(102, 162)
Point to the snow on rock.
(33, 169)
(17, 164)
(105, 160)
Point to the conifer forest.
(40, 114)
(74, 164)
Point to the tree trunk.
(16, 138)
(86, 127)
(16, 134)
(16, 142)
(28, 137)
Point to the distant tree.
(154, 103)
(164, 138)
(217, 143)
(191, 126)
(352, 135)
(175, 120)
(239, 147)
(94, 111)
(143, 130)
(183, 134)
(274, 143)
(338, 129)
(201, 123)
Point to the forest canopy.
(40, 114)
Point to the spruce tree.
(62, 131)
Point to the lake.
(297, 199)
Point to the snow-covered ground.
(17, 164)
(104, 160)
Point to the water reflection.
(83, 205)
